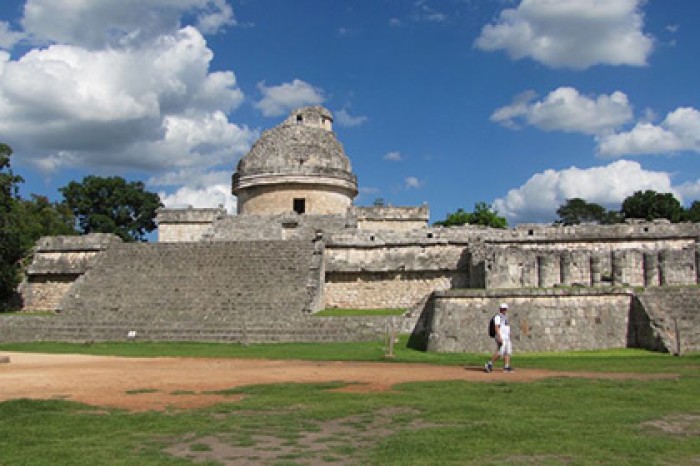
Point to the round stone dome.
(297, 166)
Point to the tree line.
(647, 205)
(95, 205)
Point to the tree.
(10, 243)
(455, 219)
(692, 213)
(40, 217)
(651, 205)
(576, 211)
(112, 205)
(482, 215)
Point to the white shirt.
(502, 320)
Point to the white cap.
(503, 306)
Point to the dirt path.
(158, 383)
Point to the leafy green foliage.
(41, 217)
(112, 205)
(22, 222)
(576, 211)
(10, 241)
(692, 213)
(461, 217)
(647, 205)
(482, 215)
(651, 205)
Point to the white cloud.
(96, 24)
(412, 182)
(539, 198)
(565, 109)
(394, 156)
(679, 131)
(367, 190)
(217, 14)
(571, 33)
(424, 12)
(689, 190)
(343, 118)
(278, 100)
(196, 189)
(153, 107)
(8, 37)
(210, 196)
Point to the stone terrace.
(199, 282)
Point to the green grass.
(553, 421)
(616, 360)
(556, 421)
(335, 312)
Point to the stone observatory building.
(298, 166)
(298, 245)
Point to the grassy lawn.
(554, 421)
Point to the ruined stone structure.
(298, 166)
(298, 245)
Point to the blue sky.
(521, 104)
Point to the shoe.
(507, 369)
(488, 367)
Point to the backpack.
(492, 326)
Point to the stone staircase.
(161, 283)
(217, 291)
(669, 312)
(15, 328)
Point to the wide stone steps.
(194, 280)
(308, 329)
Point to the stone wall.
(279, 199)
(668, 319)
(540, 320)
(376, 274)
(658, 318)
(57, 263)
(386, 290)
(516, 267)
(182, 225)
(391, 218)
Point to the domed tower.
(298, 166)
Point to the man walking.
(502, 337)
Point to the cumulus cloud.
(343, 118)
(154, 107)
(124, 86)
(538, 199)
(690, 190)
(103, 23)
(394, 156)
(411, 182)
(571, 34)
(196, 189)
(279, 100)
(565, 109)
(8, 37)
(679, 131)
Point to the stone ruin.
(298, 245)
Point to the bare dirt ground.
(140, 384)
